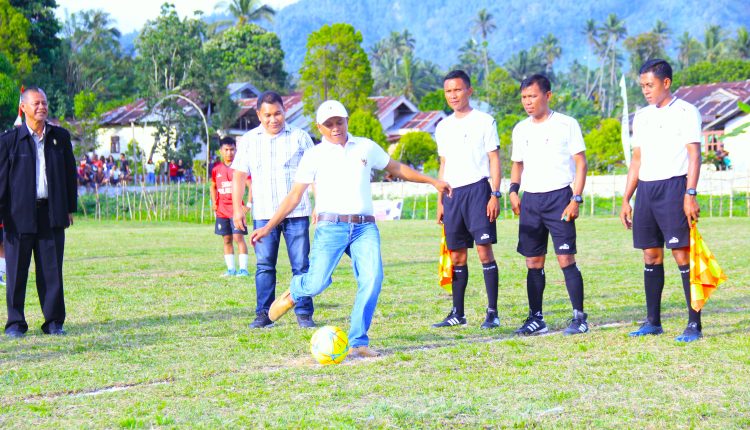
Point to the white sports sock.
(2, 266)
(229, 259)
(243, 261)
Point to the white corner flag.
(19, 120)
(625, 123)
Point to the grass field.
(158, 339)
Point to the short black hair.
(227, 140)
(270, 97)
(539, 79)
(660, 68)
(459, 74)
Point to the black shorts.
(465, 216)
(658, 216)
(540, 218)
(225, 227)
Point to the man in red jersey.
(221, 199)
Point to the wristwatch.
(691, 192)
(577, 198)
(497, 194)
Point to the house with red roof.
(721, 115)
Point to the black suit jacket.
(18, 179)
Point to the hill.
(441, 27)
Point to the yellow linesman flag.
(705, 273)
(445, 266)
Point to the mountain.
(441, 27)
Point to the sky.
(130, 15)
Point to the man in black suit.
(38, 196)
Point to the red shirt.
(172, 169)
(221, 175)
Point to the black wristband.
(514, 187)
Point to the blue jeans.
(296, 233)
(150, 178)
(362, 243)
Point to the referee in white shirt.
(270, 154)
(340, 167)
(468, 144)
(548, 158)
(665, 167)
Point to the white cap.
(330, 109)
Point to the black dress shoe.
(55, 329)
(305, 321)
(261, 321)
(14, 333)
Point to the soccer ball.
(329, 345)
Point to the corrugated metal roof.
(423, 120)
(716, 102)
(137, 110)
(386, 104)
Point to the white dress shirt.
(41, 165)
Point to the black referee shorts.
(540, 218)
(465, 216)
(658, 216)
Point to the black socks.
(460, 280)
(491, 284)
(535, 282)
(693, 315)
(574, 284)
(653, 281)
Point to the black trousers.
(47, 245)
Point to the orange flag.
(445, 266)
(705, 273)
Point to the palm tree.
(525, 63)
(662, 32)
(741, 45)
(401, 43)
(688, 50)
(484, 24)
(470, 58)
(245, 11)
(591, 31)
(386, 58)
(550, 46)
(94, 44)
(91, 27)
(416, 78)
(713, 42)
(612, 31)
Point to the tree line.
(85, 70)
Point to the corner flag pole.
(625, 122)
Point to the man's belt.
(351, 219)
(41, 202)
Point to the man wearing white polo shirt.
(664, 168)
(548, 157)
(340, 167)
(468, 144)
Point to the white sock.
(243, 261)
(2, 266)
(229, 259)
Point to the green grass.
(158, 339)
